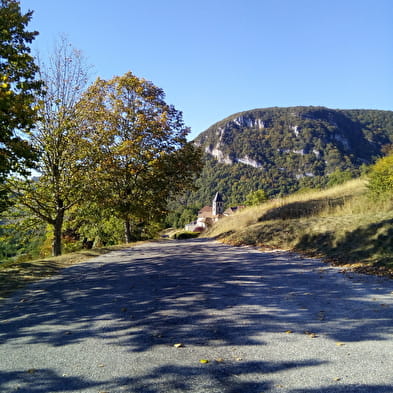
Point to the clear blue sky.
(217, 57)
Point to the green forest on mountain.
(325, 141)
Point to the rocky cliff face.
(283, 149)
(223, 134)
(299, 135)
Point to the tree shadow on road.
(199, 293)
(223, 378)
(176, 379)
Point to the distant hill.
(283, 149)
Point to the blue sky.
(217, 57)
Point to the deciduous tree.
(144, 157)
(64, 153)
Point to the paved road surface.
(266, 322)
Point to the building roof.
(218, 198)
(206, 211)
(233, 209)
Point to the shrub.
(339, 177)
(256, 198)
(185, 235)
(380, 183)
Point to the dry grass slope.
(340, 224)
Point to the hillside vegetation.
(341, 224)
(282, 150)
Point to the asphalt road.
(265, 322)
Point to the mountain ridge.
(284, 149)
(292, 147)
(295, 119)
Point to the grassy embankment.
(340, 224)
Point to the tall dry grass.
(324, 204)
(340, 223)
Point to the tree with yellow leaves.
(143, 157)
(380, 182)
(64, 153)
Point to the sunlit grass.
(340, 223)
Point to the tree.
(144, 157)
(380, 182)
(64, 153)
(18, 88)
(339, 177)
(256, 198)
(21, 234)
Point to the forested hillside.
(282, 150)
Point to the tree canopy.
(64, 155)
(144, 159)
(18, 89)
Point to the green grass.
(340, 224)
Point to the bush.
(380, 183)
(339, 177)
(185, 235)
(256, 198)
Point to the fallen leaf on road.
(310, 334)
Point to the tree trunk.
(127, 231)
(57, 233)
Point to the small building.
(208, 215)
(218, 205)
(232, 210)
